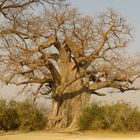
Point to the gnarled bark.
(69, 99)
(67, 107)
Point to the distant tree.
(67, 56)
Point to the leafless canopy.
(41, 49)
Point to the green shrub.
(8, 116)
(2, 114)
(91, 115)
(20, 115)
(116, 117)
(30, 117)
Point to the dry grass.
(71, 135)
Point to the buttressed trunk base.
(66, 110)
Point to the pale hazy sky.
(129, 9)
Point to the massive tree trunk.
(67, 106)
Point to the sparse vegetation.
(20, 115)
(26, 116)
(116, 117)
(8, 116)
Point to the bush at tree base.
(20, 115)
(117, 117)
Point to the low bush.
(8, 116)
(30, 117)
(115, 117)
(20, 115)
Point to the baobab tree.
(68, 57)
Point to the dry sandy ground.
(69, 136)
